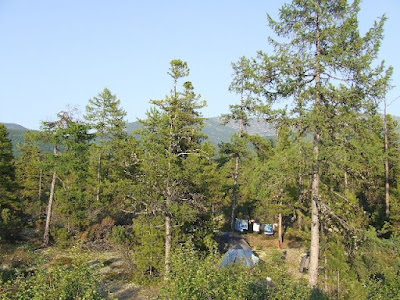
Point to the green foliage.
(123, 239)
(383, 288)
(365, 269)
(120, 236)
(62, 237)
(170, 135)
(112, 158)
(31, 174)
(10, 210)
(148, 252)
(377, 257)
(200, 277)
(105, 116)
(58, 282)
(72, 169)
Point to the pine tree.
(393, 160)
(171, 133)
(326, 69)
(68, 162)
(107, 119)
(72, 173)
(10, 209)
(243, 85)
(32, 176)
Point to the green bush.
(58, 282)
(148, 249)
(383, 288)
(63, 237)
(197, 277)
(123, 240)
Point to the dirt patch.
(261, 241)
(263, 245)
(122, 291)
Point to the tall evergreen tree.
(327, 70)
(72, 169)
(242, 84)
(32, 176)
(68, 161)
(107, 118)
(232, 154)
(393, 164)
(51, 133)
(171, 133)
(9, 203)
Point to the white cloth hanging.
(256, 227)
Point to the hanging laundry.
(244, 225)
(268, 229)
(241, 225)
(237, 224)
(256, 227)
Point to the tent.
(239, 251)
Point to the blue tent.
(239, 252)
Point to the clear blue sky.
(59, 53)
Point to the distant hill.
(13, 126)
(16, 133)
(213, 128)
(218, 133)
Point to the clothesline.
(243, 224)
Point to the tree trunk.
(98, 178)
(235, 192)
(235, 195)
(46, 235)
(387, 183)
(168, 202)
(314, 251)
(326, 274)
(280, 240)
(168, 230)
(40, 184)
(168, 243)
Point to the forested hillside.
(215, 130)
(135, 210)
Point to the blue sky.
(59, 53)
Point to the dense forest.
(84, 192)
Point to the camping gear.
(241, 225)
(268, 229)
(239, 251)
(256, 227)
(305, 262)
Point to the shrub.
(122, 239)
(383, 288)
(58, 282)
(149, 249)
(197, 277)
(63, 237)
